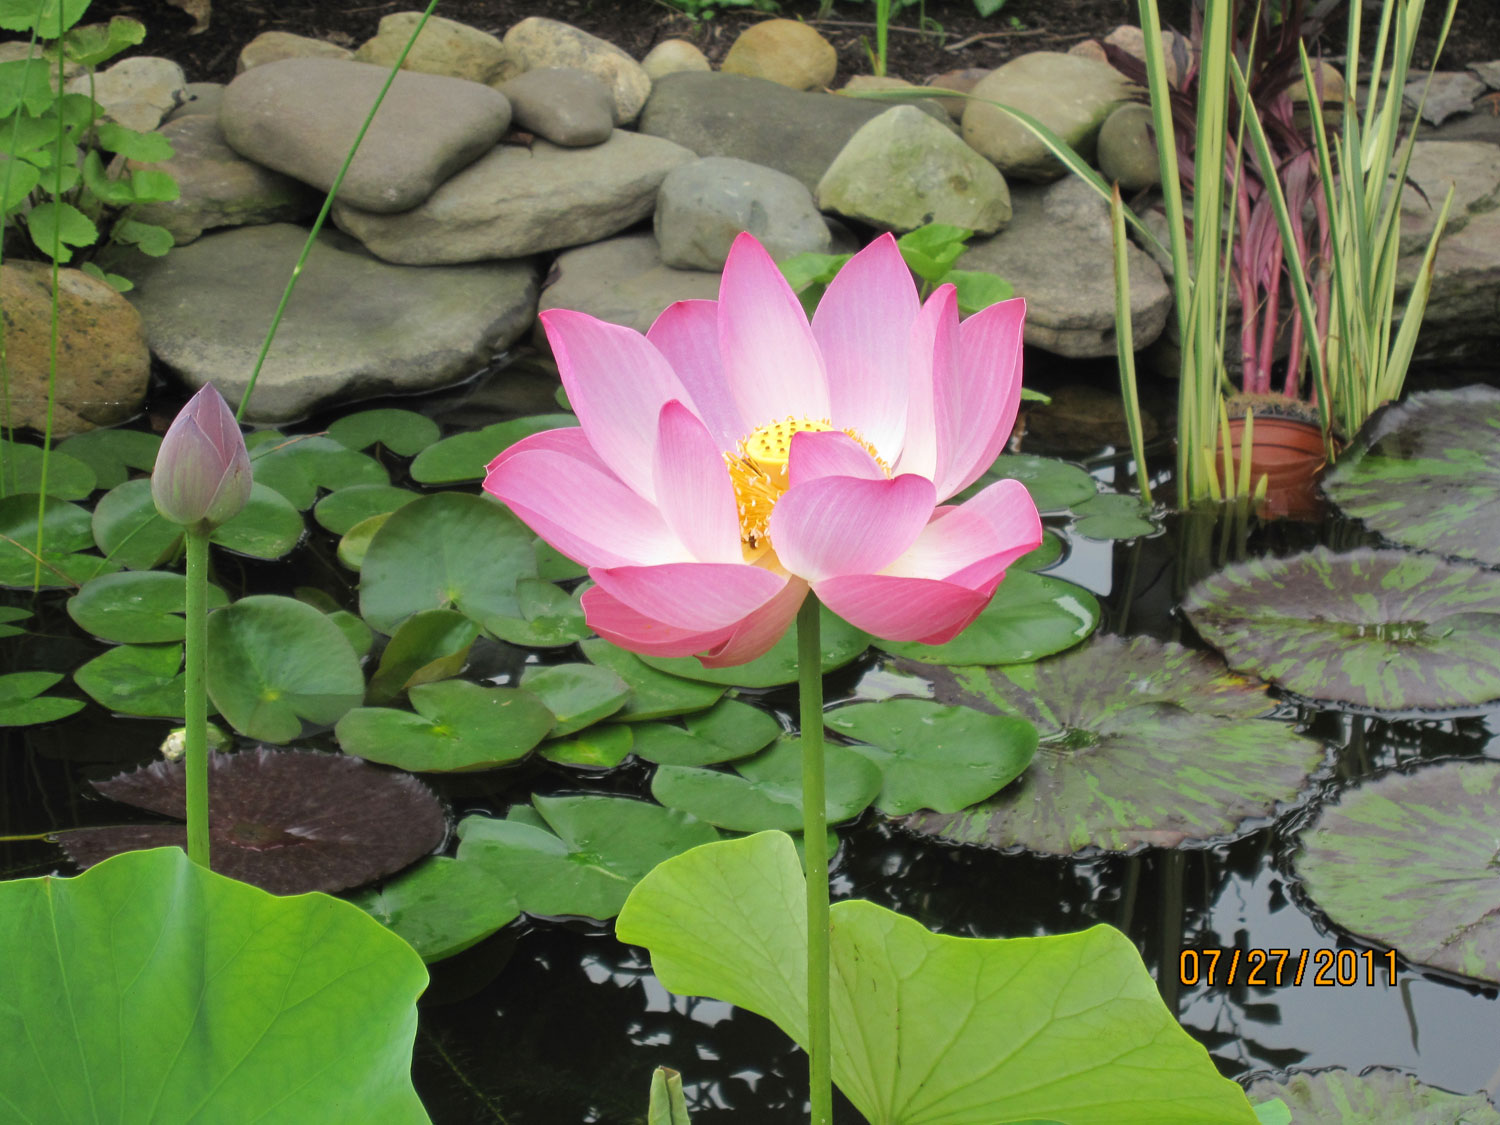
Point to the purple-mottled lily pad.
(1378, 1095)
(1389, 630)
(1142, 743)
(287, 821)
(1424, 474)
(1410, 861)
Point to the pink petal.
(617, 382)
(844, 525)
(902, 609)
(994, 529)
(771, 362)
(691, 595)
(620, 625)
(828, 453)
(687, 334)
(932, 350)
(693, 489)
(582, 509)
(861, 326)
(756, 634)
(570, 440)
(976, 410)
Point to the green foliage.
(668, 1106)
(457, 726)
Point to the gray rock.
(704, 204)
(300, 116)
(444, 47)
(1488, 72)
(673, 55)
(1058, 254)
(730, 115)
(622, 280)
(903, 170)
(355, 328)
(136, 92)
(1452, 91)
(218, 187)
(1471, 167)
(1069, 94)
(200, 98)
(1127, 148)
(518, 201)
(537, 42)
(273, 46)
(562, 105)
(1461, 322)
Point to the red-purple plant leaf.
(287, 821)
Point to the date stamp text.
(1275, 968)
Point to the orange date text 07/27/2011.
(1275, 968)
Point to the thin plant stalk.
(815, 852)
(1125, 346)
(333, 190)
(195, 695)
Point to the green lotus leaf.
(766, 791)
(441, 906)
(65, 533)
(1030, 616)
(1112, 515)
(1044, 556)
(578, 694)
(340, 511)
(1378, 1095)
(139, 607)
(929, 1028)
(1424, 474)
(839, 643)
(427, 646)
(21, 471)
(597, 748)
(1055, 486)
(1408, 861)
(9, 613)
(1142, 743)
(113, 453)
(446, 551)
(356, 541)
(457, 726)
(597, 849)
(268, 527)
(273, 662)
(1389, 630)
(401, 431)
(297, 467)
(463, 457)
(653, 694)
(22, 703)
(116, 975)
(547, 617)
(725, 732)
(137, 680)
(933, 756)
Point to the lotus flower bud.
(202, 475)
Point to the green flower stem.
(815, 849)
(196, 705)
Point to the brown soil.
(957, 36)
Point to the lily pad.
(653, 694)
(139, 607)
(427, 646)
(65, 534)
(457, 726)
(1030, 616)
(137, 680)
(9, 613)
(553, 565)
(22, 703)
(111, 454)
(932, 756)
(1042, 557)
(441, 906)
(274, 661)
(447, 551)
(463, 457)
(21, 471)
(547, 617)
(340, 511)
(1409, 861)
(597, 850)
(1055, 486)
(297, 467)
(839, 643)
(597, 748)
(1113, 515)
(766, 791)
(268, 527)
(1424, 474)
(114, 975)
(401, 431)
(1378, 1095)
(356, 540)
(1389, 630)
(130, 531)
(578, 694)
(287, 821)
(1142, 743)
(727, 731)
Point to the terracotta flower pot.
(1289, 451)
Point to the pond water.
(558, 1022)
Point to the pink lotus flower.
(736, 456)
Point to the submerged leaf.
(1378, 1095)
(22, 703)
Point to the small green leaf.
(577, 694)
(150, 185)
(54, 225)
(458, 726)
(598, 748)
(653, 694)
(1112, 515)
(401, 431)
(46, 17)
(113, 453)
(21, 471)
(9, 613)
(22, 703)
(148, 238)
(930, 251)
(116, 193)
(727, 731)
(65, 531)
(297, 467)
(549, 617)
(23, 83)
(139, 607)
(136, 680)
(356, 541)
(339, 512)
(978, 289)
(427, 646)
(463, 457)
(97, 43)
(1054, 485)
(18, 177)
(148, 148)
(268, 527)
(441, 906)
